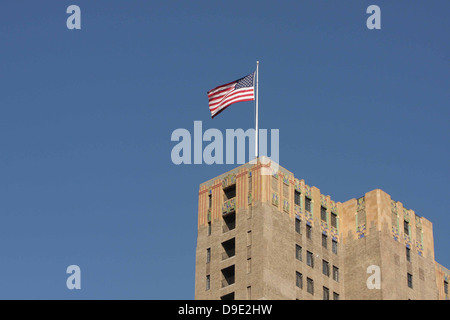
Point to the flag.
(225, 95)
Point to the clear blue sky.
(86, 118)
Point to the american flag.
(227, 94)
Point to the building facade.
(272, 236)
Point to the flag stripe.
(215, 113)
(219, 96)
(223, 85)
(234, 95)
(221, 88)
(229, 102)
(217, 100)
(233, 100)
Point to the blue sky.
(86, 118)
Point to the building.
(275, 237)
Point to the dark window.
(229, 192)
(229, 248)
(335, 296)
(445, 287)
(209, 201)
(229, 296)
(323, 213)
(298, 224)
(298, 252)
(406, 227)
(307, 204)
(325, 268)
(326, 293)
(208, 282)
(334, 246)
(333, 220)
(298, 279)
(308, 231)
(229, 222)
(309, 259)
(408, 254)
(297, 198)
(324, 240)
(209, 228)
(227, 276)
(208, 255)
(335, 273)
(410, 280)
(310, 285)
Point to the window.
(274, 183)
(229, 248)
(229, 296)
(323, 213)
(209, 201)
(406, 227)
(335, 273)
(229, 222)
(307, 204)
(227, 276)
(249, 265)
(249, 238)
(445, 287)
(333, 220)
(408, 254)
(310, 285)
(334, 247)
(324, 240)
(298, 279)
(326, 293)
(208, 255)
(410, 280)
(298, 224)
(335, 296)
(249, 293)
(297, 198)
(309, 259)
(325, 268)
(298, 252)
(209, 228)
(308, 231)
(229, 192)
(208, 282)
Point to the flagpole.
(256, 113)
